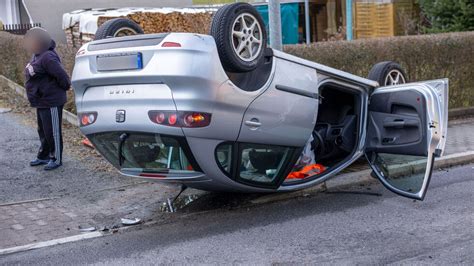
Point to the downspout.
(349, 20)
(306, 18)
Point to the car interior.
(335, 135)
(335, 132)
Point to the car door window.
(404, 172)
(259, 165)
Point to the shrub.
(448, 15)
(424, 57)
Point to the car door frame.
(358, 151)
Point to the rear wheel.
(388, 73)
(118, 27)
(240, 37)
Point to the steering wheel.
(318, 146)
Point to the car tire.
(117, 27)
(388, 73)
(240, 35)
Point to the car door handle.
(400, 124)
(253, 123)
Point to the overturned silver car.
(223, 112)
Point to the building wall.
(9, 13)
(50, 12)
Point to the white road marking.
(49, 243)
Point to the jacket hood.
(42, 36)
(52, 45)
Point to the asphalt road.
(363, 224)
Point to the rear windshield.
(145, 152)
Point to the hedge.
(424, 57)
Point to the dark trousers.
(50, 133)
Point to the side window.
(254, 164)
(224, 157)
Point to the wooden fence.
(382, 18)
(19, 29)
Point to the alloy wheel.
(247, 37)
(125, 31)
(394, 77)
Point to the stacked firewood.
(173, 22)
(151, 22)
(75, 38)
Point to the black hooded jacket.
(46, 80)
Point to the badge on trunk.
(120, 116)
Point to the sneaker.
(38, 162)
(51, 165)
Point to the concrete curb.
(67, 116)
(460, 112)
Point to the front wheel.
(388, 73)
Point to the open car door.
(407, 126)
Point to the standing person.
(46, 86)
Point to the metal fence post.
(306, 19)
(274, 18)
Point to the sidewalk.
(36, 206)
(460, 136)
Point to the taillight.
(80, 52)
(194, 119)
(172, 119)
(180, 119)
(87, 118)
(149, 175)
(171, 44)
(160, 118)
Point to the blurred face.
(32, 45)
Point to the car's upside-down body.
(162, 107)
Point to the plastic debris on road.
(134, 221)
(87, 229)
(86, 142)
